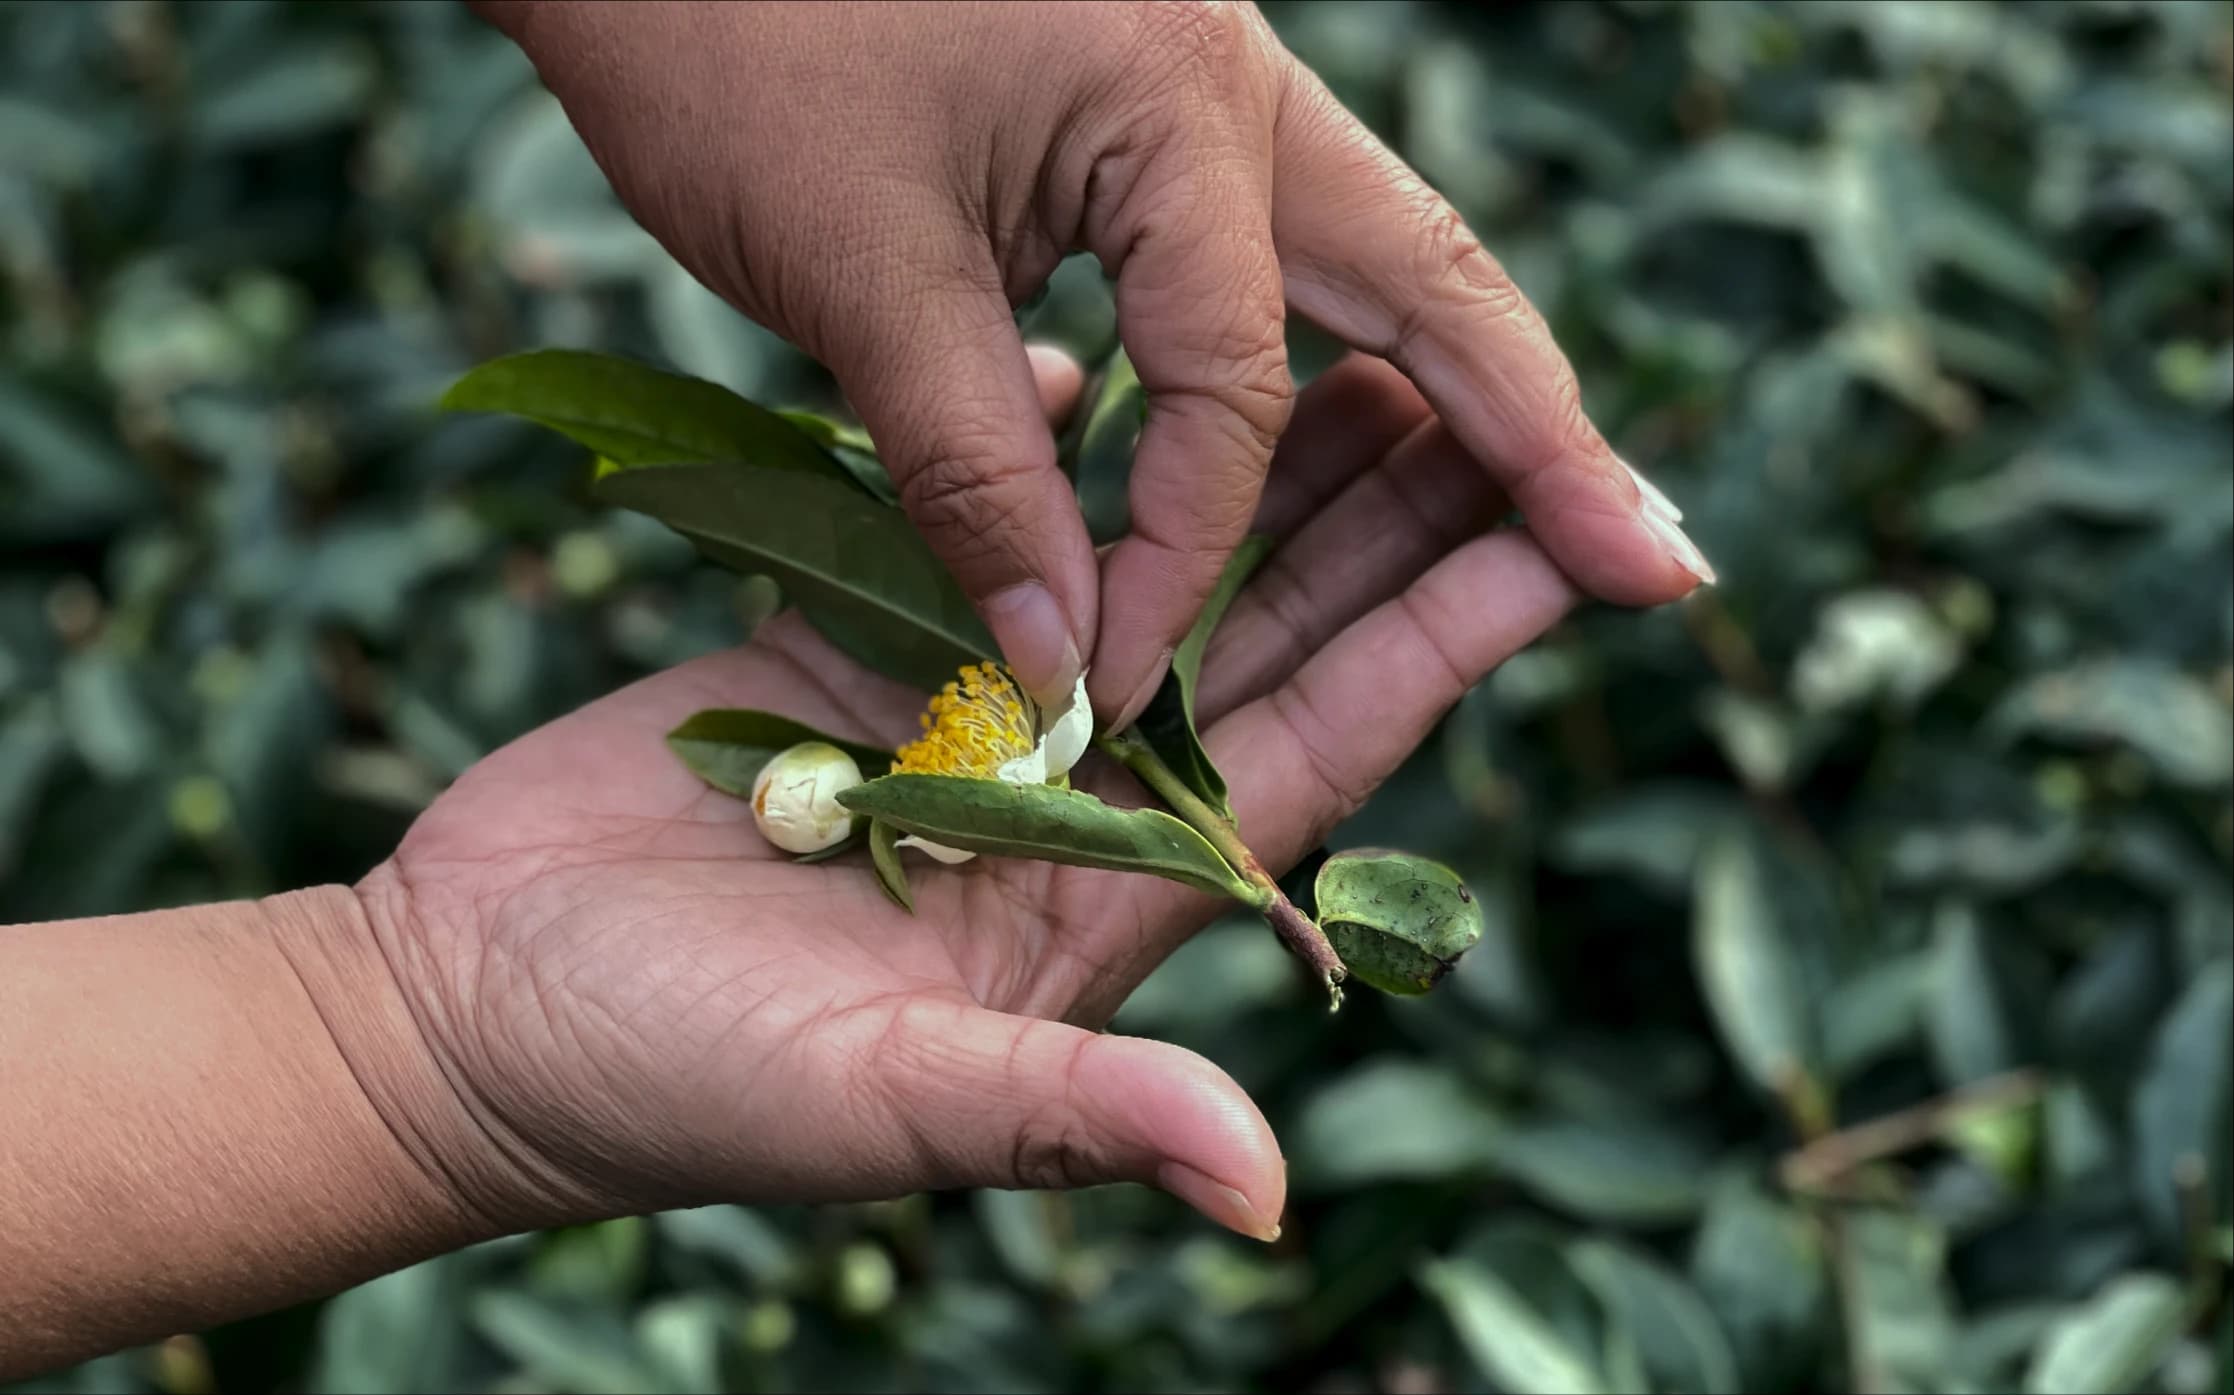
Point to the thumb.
(941, 380)
(995, 1100)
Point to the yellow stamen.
(975, 725)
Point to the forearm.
(204, 1113)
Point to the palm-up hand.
(639, 1003)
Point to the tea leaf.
(1168, 722)
(1508, 1340)
(1041, 821)
(632, 414)
(1615, 1171)
(1105, 450)
(857, 570)
(852, 448)
(2183, 1102)
(1394, 1119)
(2112, 1342)
(1746, 967)
(1399, 922)
(1677, 1337)
(892, 874)
(727, 746)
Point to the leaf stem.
(1294, 928)
(1829, 1156)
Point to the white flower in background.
(1874, 643)
(983, 726)
(795, 797)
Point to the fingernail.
(1216, 1200)
(1685, 552)
(1035, 638)
(1653, 498)
(1138, 702)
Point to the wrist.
(219, 1110)
(327, 937)
(380, 964)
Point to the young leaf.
(1041, 821)
(726, 746)
(1168, 722)
(892, 874)
(1398, 921)
(858, 570)
(632, 414)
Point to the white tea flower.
(983, 726)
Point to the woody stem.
(1295, 928)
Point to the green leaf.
(632, 414)
(1509, 1340)
(892, 874)
(1105, 450)
(1902, 1318)
(852, 448)
(739, 1238)
(1168, 722)
(1746, 967)
(2112, 1342)
(682, 1338)
(1676, 1335)
(1627, 1173)
(1394, 1119)
(727, 746)
(1969, 1015)
(402, 1331)
(1041, 821)
(569, 1346)
(1399, 922)
(1763, 1269)
(2182, 1105)
(858, 570)
(2167, 717)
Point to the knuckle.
(1453, 271)
(968, 494)
(1054, 1148)
(1053, 1158)
(1207, 40)
(1284, 611)
(1345, 792)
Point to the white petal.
(1027, 769)
(1069, 730)
(939, 852)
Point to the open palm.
(643, 1004)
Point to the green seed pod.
(1398, 921)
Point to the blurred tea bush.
(1856, 1007)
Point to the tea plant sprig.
(802, 500)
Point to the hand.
(881, 184)
(638, 1003)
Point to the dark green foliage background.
(1921, 310)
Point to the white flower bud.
(795, 797)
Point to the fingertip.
(1225, 1205)
(1059, 379)
(1036, 639)
(1217, 1152)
